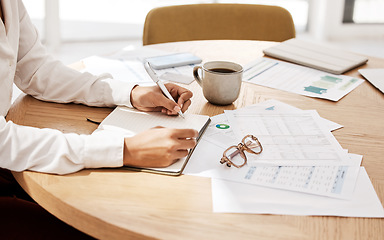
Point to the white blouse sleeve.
(51, 151)
(48, 150)
(39, 75)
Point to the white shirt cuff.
(104, 149)
(121, 92)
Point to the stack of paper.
(301, 164)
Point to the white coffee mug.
(220, 81)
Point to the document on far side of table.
(299, 79)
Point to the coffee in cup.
(220, 81)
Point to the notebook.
(316, 56)
(133, 122)
(375, 77)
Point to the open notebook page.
(134, 122)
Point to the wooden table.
(116, 204)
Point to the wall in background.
(89, 26)
(101, 20)
(327, 21)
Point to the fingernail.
(176, 108)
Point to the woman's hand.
(158, 147)
(152, 99)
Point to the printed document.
(221, 133)
(336, 181)
(331, 181)
(299, 79)
(293, 139)
(233, 197)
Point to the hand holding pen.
(151, 98)
(159, 83)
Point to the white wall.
(326, 23)
(88, 21)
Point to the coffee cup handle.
(196, 75)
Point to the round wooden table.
(120, 204)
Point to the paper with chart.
(331, 181)
(233, 197)
(310, 179)
(127, 65)
(299, 79)
(273, 105)
(220, 132)
(294, 139)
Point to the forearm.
(50, 151)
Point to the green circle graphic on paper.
(222, 126)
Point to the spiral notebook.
(133, 122)
(316, 56)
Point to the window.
(337, 19)
(363, 11)
(84, 20)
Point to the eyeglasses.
(235, 156)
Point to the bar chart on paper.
(298, 79)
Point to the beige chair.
(218, 21)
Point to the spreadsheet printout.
(331, 181)
(334, 181)
(233, 197)
(294, 139)
(220, 131)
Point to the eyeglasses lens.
(235, 156)
(252, 144)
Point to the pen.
(159, 83)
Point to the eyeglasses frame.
(240, 150)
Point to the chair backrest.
(218, 21)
